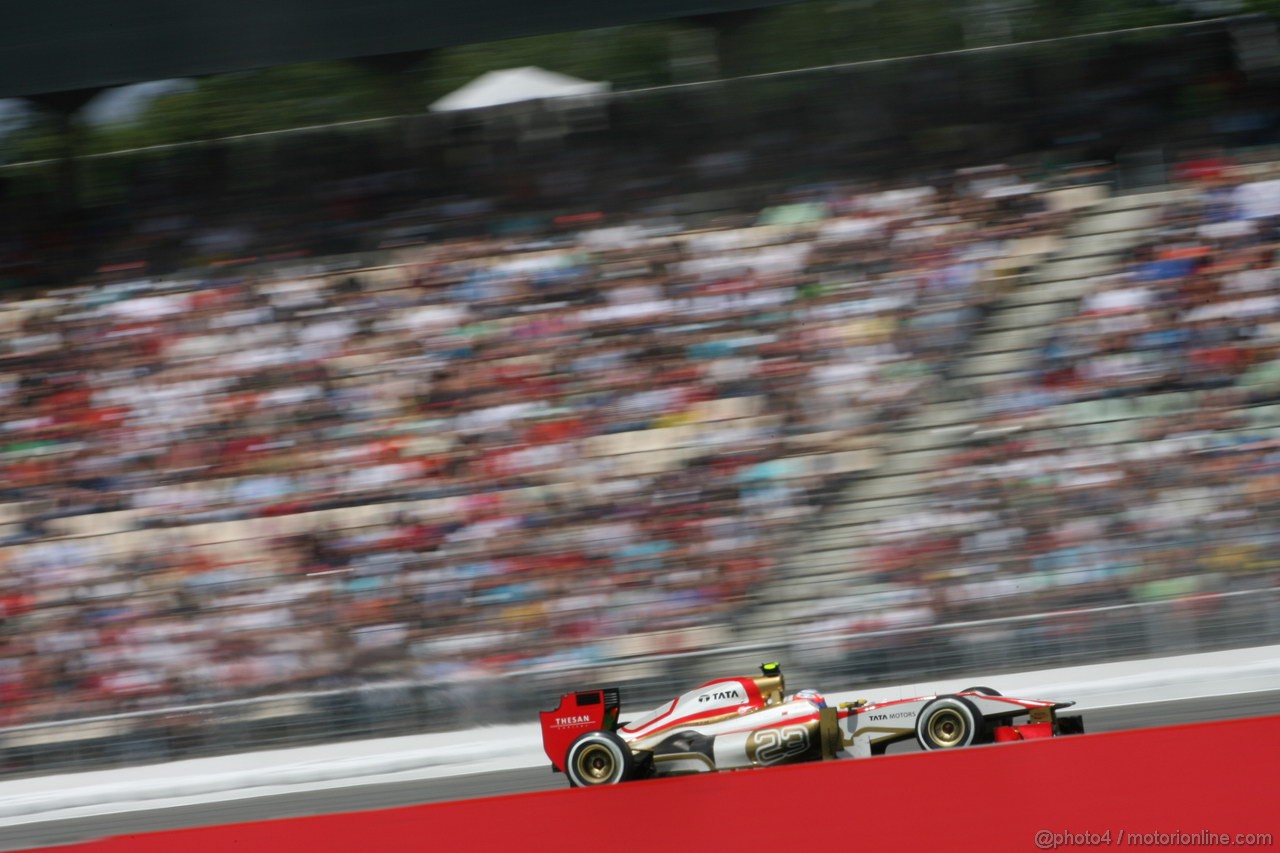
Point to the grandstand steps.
(847, 522)
(97, 524)
(904, 461)
(839, 537)
(896, 485)
(1009, 340)
(865, 511)
(845, 539)
(1060, 293)
(11, 515)
(836, 554)
(1065, 276)
(1105, 232)
(1118, 213)
(1139, 201)
(824, 540)
(827, 546)
(849, 558)
(1060, 280)
(1094, 247)
(928, 439)
(994, 364)
(1021, 317)
(853, 525)
(850, 551)
(1105, 242)
(940, 415)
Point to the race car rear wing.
(577, 714)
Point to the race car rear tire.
(985, 691)
(599, 758)
(951, 722)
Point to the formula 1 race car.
(734, 723)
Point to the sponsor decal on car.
(720, 695)
(571, 722)
(894, 715)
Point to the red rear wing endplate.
(577, 714)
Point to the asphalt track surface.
(390, 795)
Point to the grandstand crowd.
(1137, 459)
(505, 449)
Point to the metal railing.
(985, 648)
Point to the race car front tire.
(985, 691)
(599, 758)
(951, 722)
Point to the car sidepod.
(789, 733)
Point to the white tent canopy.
(514, 85)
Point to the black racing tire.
(985, 691)
(599, 758)
(951, 722)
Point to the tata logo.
(572, 722)
(720, 695)
(896, 715)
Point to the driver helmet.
(813, 696)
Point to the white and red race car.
(735, 723)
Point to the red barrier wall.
(1196, 779)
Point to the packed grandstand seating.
(504, 449)
(1134, 458)
(508, 450)
(1172, 359)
